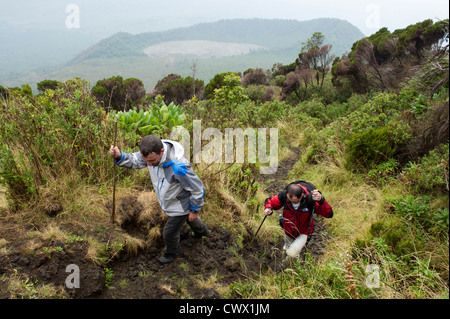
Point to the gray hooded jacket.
(178, 188)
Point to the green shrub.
(271, 112)
(371, 147)
(314, 108)
(412, 207)
(431, 171)
(17, 179)
(216, 83)
(259, 93)
(380, 110)
(397, 237)
(118, 94)
(47, 85)
(229, 107)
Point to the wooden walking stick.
(113, 214)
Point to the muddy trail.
(204, 270)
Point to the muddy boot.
(166, 259)
(200, 235)
(199, 229)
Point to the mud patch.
(205, 266)
(49, 266)
(141, 217)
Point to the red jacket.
(296, 222)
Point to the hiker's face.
(294, 199)
(153, 159)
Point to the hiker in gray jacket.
(179, 190)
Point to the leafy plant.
(164, 118)
(158, 119)
(109, 275)
(132, 120)
(384, 172)
(418, 211)
(430, 171)
(412, 207)
(441, 220)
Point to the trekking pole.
(260, 226)
(113, 214)
(254, 236)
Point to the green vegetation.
(159, 119)
(376, 146)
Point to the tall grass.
(60, 135)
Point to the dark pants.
(171, 233)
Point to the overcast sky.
(138, 16)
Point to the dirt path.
(205, 268)
(277, 182)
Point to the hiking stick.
(254, 236)
(260, 226)
(113, 214)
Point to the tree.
(194, 71)
(315, 41)
(257, 76)
(47, 85)
(316, 57)
(117, 94)
(297, 82)
(385, 60)
(368, 63)
(135, 92)
(176, 89)
(324, 60)
(226, 99)
(216, 83)
(111, 93)
(280, 69)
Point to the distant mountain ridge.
(264, 42)
(270, 33)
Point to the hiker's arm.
(273, 203)
(127, 160)
(322, 207)
(190, 181)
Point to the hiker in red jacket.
(299, 204)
